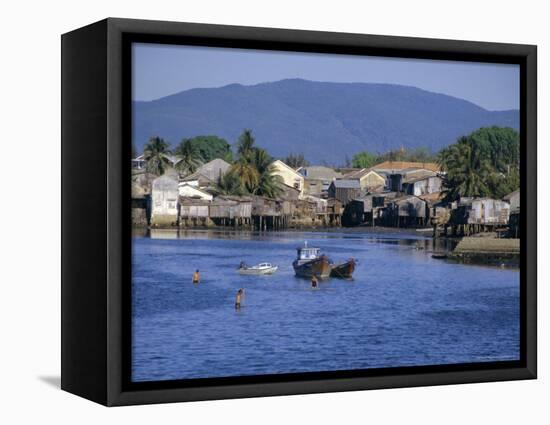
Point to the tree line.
(484, 163)
(366, 159)
(251, 172)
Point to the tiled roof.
(402, 165)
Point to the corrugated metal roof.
(346, 184)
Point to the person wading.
(314, 281)
(196, 276)
(239, 298)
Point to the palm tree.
(467, 170)
(189, 157)
(253, 168)
(269, 184)
(245, 145)
(229, 184)
(296, 160)
(155, 155)
(247, 173)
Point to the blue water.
(402, 309)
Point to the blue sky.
(161, 70)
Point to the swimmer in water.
(196, 276)
(238, 299)
(314, 281)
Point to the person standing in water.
(314, 281)
(238, 299)
(196, 276)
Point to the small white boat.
(259, 269)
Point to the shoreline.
(422, 232)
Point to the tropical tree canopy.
(189, 157)
(296, 160)
(420, 154)
(155, 155)
(252, 169)
(364, 160)
(269, 184)
(229, 184)
(211, 147)
(482, 164)
(245, 144)
(248, 175)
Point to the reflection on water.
(402, 308)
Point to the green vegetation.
(269, 184)
(211, 147)
(296, 160)
(366, 159)
(189, 155)
(155, 155)
(420, 154)
(229, 184)
(252, 170)
(363, 160)
(484, 163)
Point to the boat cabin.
(308, 253)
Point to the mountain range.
(327, 122)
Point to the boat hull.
(319, 267)
(344, 270)
(258, 272)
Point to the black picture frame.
(96, 130)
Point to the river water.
(403, 307)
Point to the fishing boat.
(310, 262)
(439, 255)
(343, 270)
(259, 269)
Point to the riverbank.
(486, 250)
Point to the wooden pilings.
(270, 222)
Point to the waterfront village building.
(164, 201)
(419, 186)
(397, 172)
(317, 179)
(344, 190)
(139, 205)
(513, 199)
(369, 179)
(188, 191)
(409, 211)
(194, 212)
(231, 210)
(513, 221)
(289, 176)
(366, 208)
(208, 174)
(139, 163)
(173, 160)
(474, 215)
(489, 211)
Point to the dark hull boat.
(343, 270)
(310, 263)
(319, 267)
